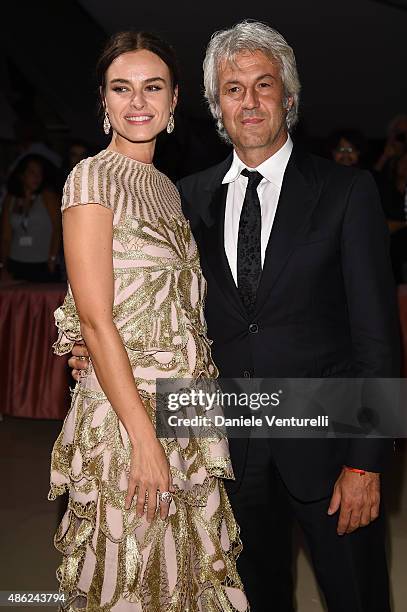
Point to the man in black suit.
(317, 300)
(295, 253)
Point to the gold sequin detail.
(186, 563)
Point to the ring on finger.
(145, 505)
(165, 497)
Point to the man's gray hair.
(249, 36)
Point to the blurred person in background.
(346, 147)
(31, 138)
(77, 150)
(394, 199)
(394, 145)
(393, 191)
(30, 223)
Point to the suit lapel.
(295, 205)
(214, 245)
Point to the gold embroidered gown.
(113, 560)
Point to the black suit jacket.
(325, 305)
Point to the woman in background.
(30, 223)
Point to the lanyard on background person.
(26, 240)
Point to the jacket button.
(246, 374)
(253, 328)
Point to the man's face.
(252, 99)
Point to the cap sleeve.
(85, 185)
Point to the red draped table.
(33, 381)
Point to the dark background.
(352, 58)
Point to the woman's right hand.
(79, 360)
(149, 473)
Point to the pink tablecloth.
(33, 381)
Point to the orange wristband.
(355, 470)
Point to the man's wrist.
(354, 470)
(348, 468)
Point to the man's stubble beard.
(258, 141)
(253, 141)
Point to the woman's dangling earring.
(171, 123)
(106, 124)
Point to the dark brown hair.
(124, 42)
(15, 185)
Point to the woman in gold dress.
(136, 293)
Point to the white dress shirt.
(268, 191)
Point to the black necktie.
(249, 243)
